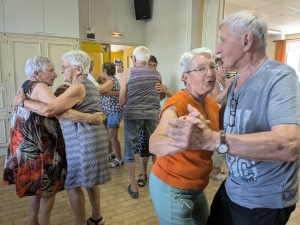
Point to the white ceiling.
(281, 15)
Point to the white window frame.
(293, 55)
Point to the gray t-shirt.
(269, 97)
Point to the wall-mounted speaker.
(142, 9)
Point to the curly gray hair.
(36, 64)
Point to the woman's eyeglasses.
(203, 70)
(233, 105)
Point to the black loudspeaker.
(142, 9)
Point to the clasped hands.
(20, 95)
(189, 132)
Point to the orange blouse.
(188, 169)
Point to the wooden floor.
(118, 208)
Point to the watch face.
(223, 148)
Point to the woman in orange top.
(179, 176)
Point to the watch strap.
(222, 137)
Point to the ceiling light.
(115, 34)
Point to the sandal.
(111, 155)
(142, 182)
(97, 222)
(117, 163)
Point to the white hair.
(36, 64)
(141, 54)
(187, 57)
(78, 58)
(248, 21)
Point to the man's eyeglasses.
(233, 105)
(132, 56)
(203, 70)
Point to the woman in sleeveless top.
(179, 176)
(112, 110)
(86, 144)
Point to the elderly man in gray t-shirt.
(261, 122)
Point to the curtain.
(213, 15)
(280, 49)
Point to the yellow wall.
(99, 56)
(116, 55)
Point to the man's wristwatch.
(22, 103)
(223, 146)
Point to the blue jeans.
(131, 131)
(175, 206)
(113, 121)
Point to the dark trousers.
(225, 212)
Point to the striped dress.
(86, 145)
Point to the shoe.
(116, 163)
(111, 155)
(97, 222)
(142, 182)
(218, 177)
(132, 193)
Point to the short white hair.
(141, 54)
(248, 21)
(36, 64)
(78, 58)
(187, 57)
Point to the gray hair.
(248, 21)
(187, 57)
(78, 58)
(141, 54)
(36, 64)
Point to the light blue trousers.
(175, 206)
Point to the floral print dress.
(36, 157)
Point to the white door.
(54, 49)
(21, 49)
(4, 104)
(15, 51)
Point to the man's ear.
(248, 41)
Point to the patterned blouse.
(110, 104)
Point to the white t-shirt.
(91, 78)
